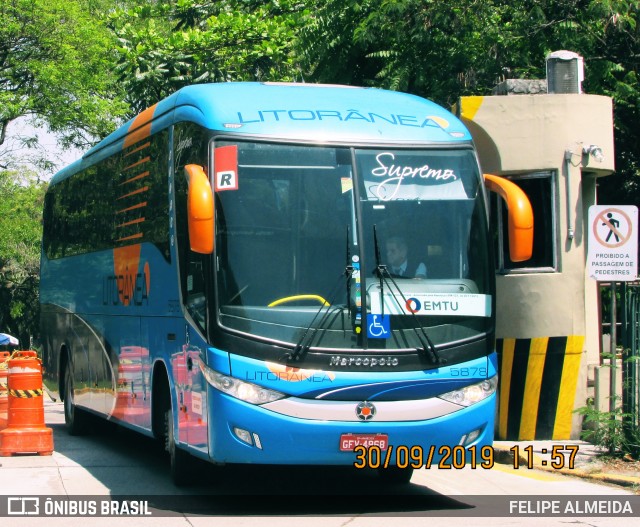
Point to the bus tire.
(75, 419)
(394, 475)
(180, 462)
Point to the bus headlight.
(472, 394)
(245, 391)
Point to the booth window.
(540, 188)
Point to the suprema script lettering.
(396, 174)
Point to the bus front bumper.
(245, 433)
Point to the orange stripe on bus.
(132, 222)
(139, 176)
(132, 237)
(139, 191)
(143, 160)
(133, 207)
(140, 127)
(141, 147)
(137, 135)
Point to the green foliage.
(617, 430)
(443, 50)
(167, 45)
(55, 67)
(20, 232)
(611, 431)
(82, 66)
(335, 46)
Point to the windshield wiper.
(382, 272)
(381, 269)
(303, 345)
(348, 271)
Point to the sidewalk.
(587, 461)
(580, 459)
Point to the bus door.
(133, 385)
(128, 395)
(190, 395)
(190, 385)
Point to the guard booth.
(555, 146)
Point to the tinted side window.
(190, 146)
(122, 200)
(140, 194)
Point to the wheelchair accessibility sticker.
(378, 326)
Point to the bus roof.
(291, 112)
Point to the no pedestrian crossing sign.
(613, 243)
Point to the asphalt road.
(116, 465)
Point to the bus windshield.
(351, 247)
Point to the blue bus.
(276, 273)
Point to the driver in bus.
(399, 263)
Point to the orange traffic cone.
(25, 431)
(4, 389)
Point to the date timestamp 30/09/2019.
(459, 457)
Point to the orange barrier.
(4, 389)
(25, 431)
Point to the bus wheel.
(180, 462)
(395, 475)
(74, 418)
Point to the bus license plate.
(348, 442)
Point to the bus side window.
(190, 147)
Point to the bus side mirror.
(520, 222)
(200, 210)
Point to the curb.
(505, 456)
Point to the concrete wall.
(547, 322)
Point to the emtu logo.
(413, 305)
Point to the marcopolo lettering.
(371, 362)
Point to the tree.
(442, 50)
(167, 45)
(55, 68)
(20, 231)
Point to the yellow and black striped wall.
(537, 390)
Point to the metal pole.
(627, 338)
(612, 361)
(630, 380)
(597, 379)
(567, 170)
(635, 376)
